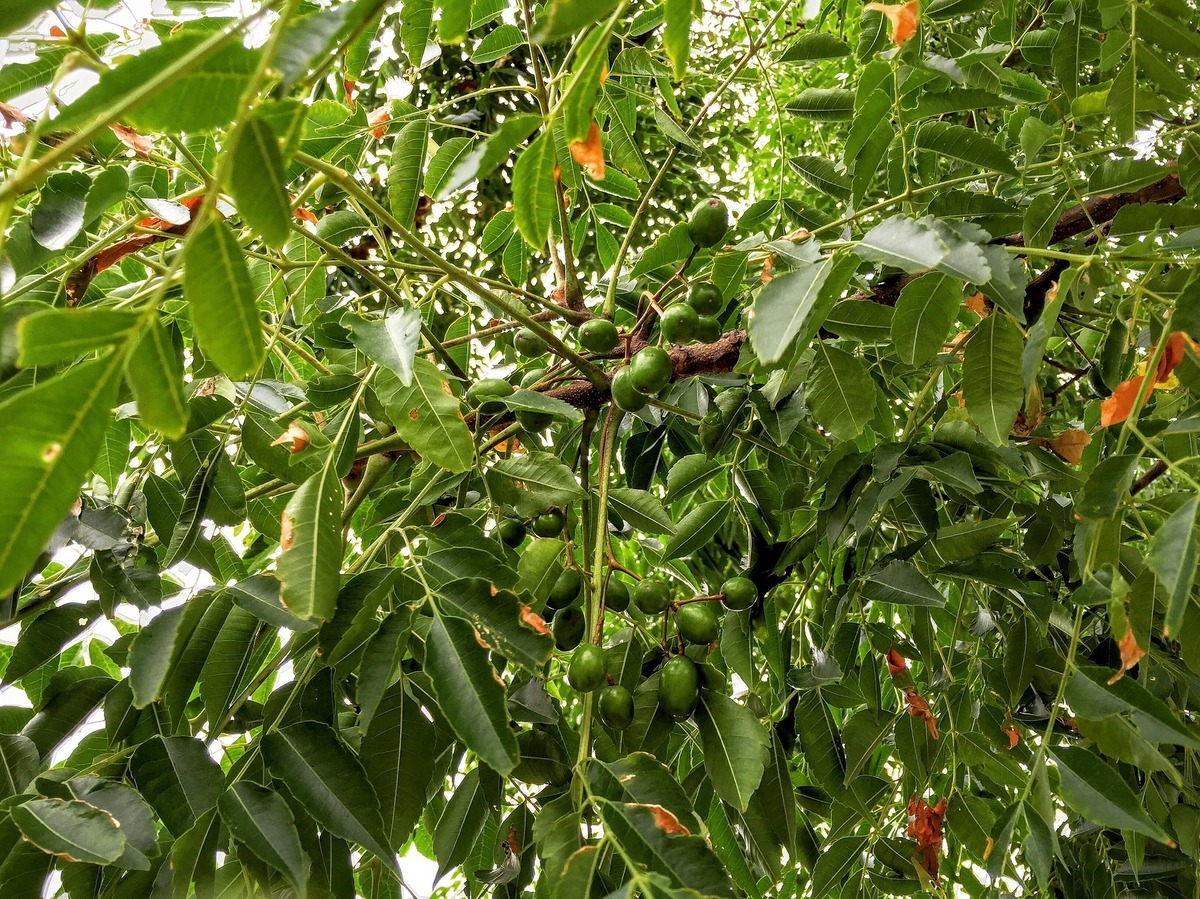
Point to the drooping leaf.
(840, 393)
(310, 564)
(470, 693)
(404, 174)
(262, 820)
(992, 383)
(50, 434)
(155, 373)
(178, 778)
(533, 190)
(1092, 788)
(217, 285)
(70, 829)
(735, 747)
(696, 529)
(1172, 558)
(257, 180)
(427, 414)
(924, 315)
(396, 755)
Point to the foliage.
(930, 411)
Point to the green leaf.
(651, 836)
(216, 283)
(735, 745)
(396, 755)
(329, 781)
(258, 179)
(460, 823)
(203, 97)
(813, 46)
(19, 764)
(696, 529)
(50, 434)
(840, 393)
(502, 621)
(70, 829)
(1172, 558)
(677, 26)
(404, 174)
(533, 190)
(822, 175)
(391, 341)
(964, 144)
(1100, 794)
(178, 778)
(579, 94)
(469, 692)
(155, 373)
(782, 307)
(535, 481)
(824, 104)
(905, 243)
(56, 335)
(228, 664)
(262, 820)
(539, 566)
(863, 322)
(836, 864)
(1106, 487)
(427, 415)
(454, 20)
(131, 812)
(925, 312)
(563, 18)
(688, 474)
(901, 583)
(60, 211)
(45, 636)
(992, 384)
(151, 654)
(310, 564)
(499, 42)
(16, 14)
(641, 509)
(523, 400)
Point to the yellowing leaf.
(1070, 444)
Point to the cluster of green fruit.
(696, 621)
(693, 318)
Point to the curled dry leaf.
(1070, 444)
(1131, 654)
(896, 663)
(925, 826)
(665, 821)
(902, 16)
(378, 120)
(138, 143)
(1014, 735)
(1117, 407)
(295, 438)
(919, 708)
(589, 153)
(978, 304)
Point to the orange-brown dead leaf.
(768, 269)
(55, 31)
(903, 18)
(925, 826)
(534, 620)
(896, 663)
(513, 843)
(1070, 444)
(664, 820)
(978, 304)
(1014, 735)
(1117, 407)
(1131, 654)
(589, 153)
(349, 86)
(304, 215)
(919, 708)
(295, 438)
(138, 143)
(378, 120)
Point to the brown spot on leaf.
(446, 389)
(534, 620)
(664, 820)
(287, 531)
(51, 452)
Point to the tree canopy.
(607, 448)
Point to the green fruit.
(487, 393)
(566, 589)
(548, 524)
(705, 298)
(534, 421)
(598, 336)
(740, 593)
(532, 376)
(616, 596)
(624, 394)
(567, 626)
(616, 707)
(679, 323)
(698, 623)
(529, 344)
(588, 669)
(510, 531)
(708, 329)
(678, 687)
(651, 597)
(651, 370)
(708, 223)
